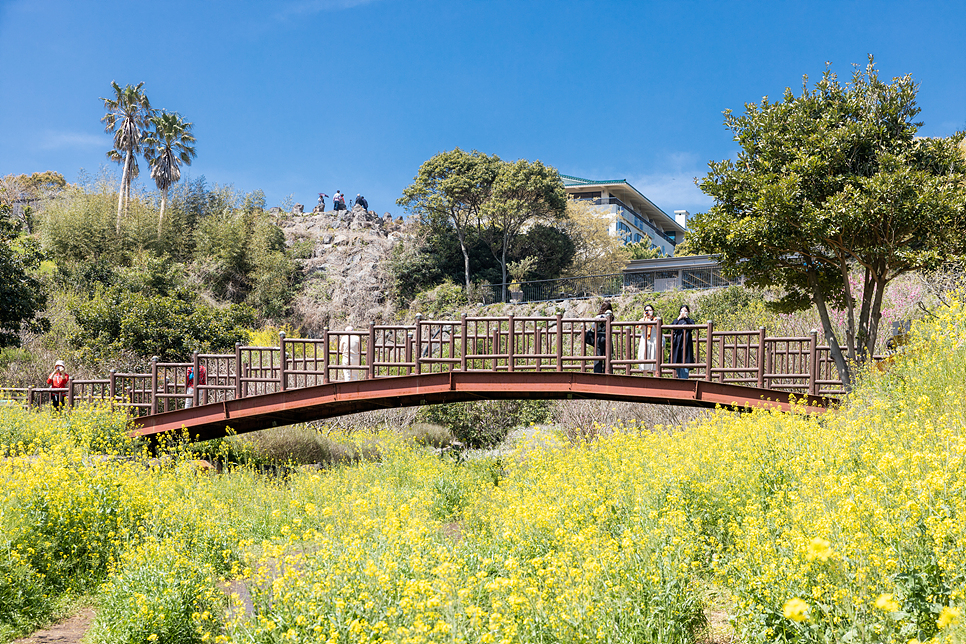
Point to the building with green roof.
(633, 216)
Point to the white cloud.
(56, 140)
(302, 7)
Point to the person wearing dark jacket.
(361, 201)
(600, 334)
(682, 343)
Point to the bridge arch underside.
(282, 408)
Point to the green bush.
(486, 423)
(170, 327)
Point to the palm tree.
(127, 118)
(167, 146)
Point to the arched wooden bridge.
(440, 361)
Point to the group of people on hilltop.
(682, 340)
(339, 203)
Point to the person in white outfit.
(647, 347)
(349, 347)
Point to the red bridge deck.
(456, 360)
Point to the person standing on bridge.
(58, 379)
(682, 343)
(647, 347)
(350, 348)
(600, 334)
(202, 380)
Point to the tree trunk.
(874, 318)
(841, 365)
(164, 200)
(122, 193)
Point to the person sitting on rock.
(361, 201)
(321, 203)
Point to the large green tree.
(21, 295)
(168, 144)
(523, 193)
(453, 187)
(127, 118)
(828, 185)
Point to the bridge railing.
(493, 344)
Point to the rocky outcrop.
(342, 265)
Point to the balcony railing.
(606, 201)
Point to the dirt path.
(69, 631)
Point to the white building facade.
(633, 216)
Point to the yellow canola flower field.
(845, 527)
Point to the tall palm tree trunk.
(122, 194)
(164, 201)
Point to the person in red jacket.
(58, 379)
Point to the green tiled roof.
(575, 181)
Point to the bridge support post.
(409, 353)
(418, 354)
(559, 342)
(371, 353)
(154, 384)
(282, 379)
(709, 351)
(463, 343)
(325, 356)
(608, 344)
(238, 371)
(510, 341)
(813, 363)
(659, 347)
(761, 357)
(195, 362)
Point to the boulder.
(298, 209)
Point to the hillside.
(342, 266)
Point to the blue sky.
(300, 96)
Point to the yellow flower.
(819, 548)
(796, 610)
(887, 603)
(947, 616)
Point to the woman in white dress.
(647, 347)
(349, 347)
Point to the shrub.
(486, 423)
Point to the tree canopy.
(21, 294)
(832, 196)
(481, 198)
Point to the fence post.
(418, 353)
(371, 352)
(30, 397)
(238, 372)
(325, 356)
(608, 343)
(195, 397)
(409, 353)
(761, 357)
(709, 351)
(658, 347)
(112, 387)
(509, 345)
(463, 344)
(281, 365)
(813, 363)
(154, 385)
(559, 342)
(721, 357)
